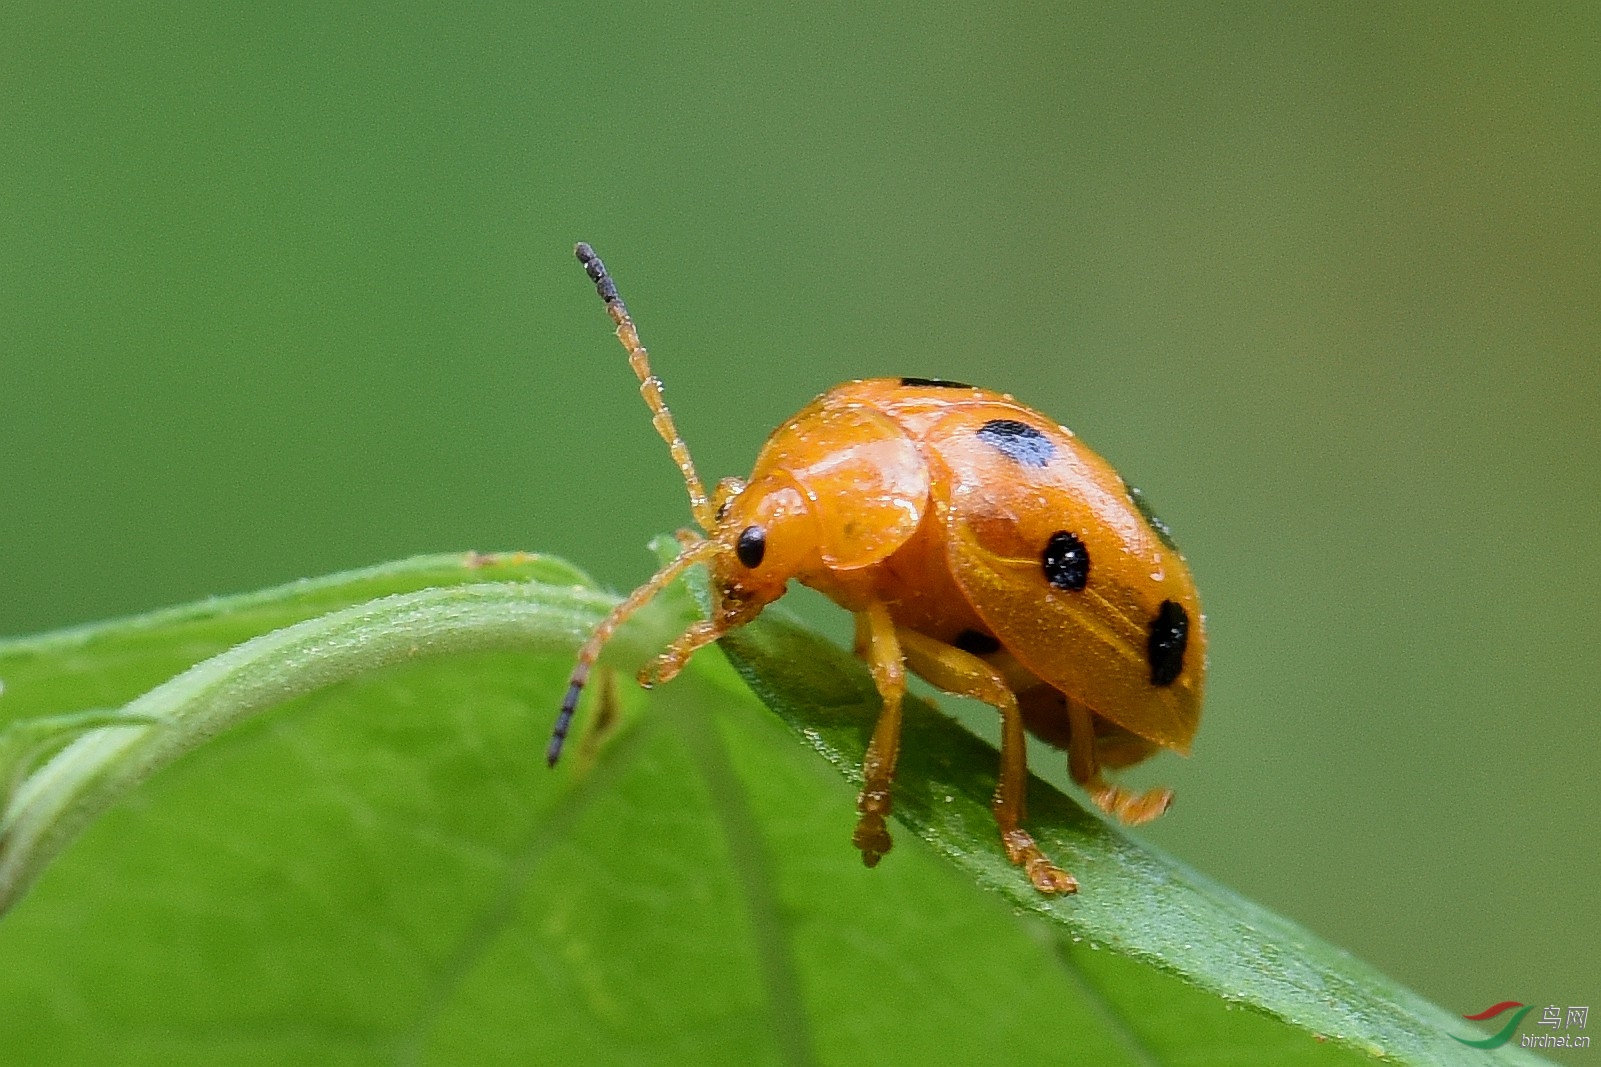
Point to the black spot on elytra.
(935, 383)
(977, 642)
(1066, 561)
(1170, 632)
(1021, 442)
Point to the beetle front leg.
(876, 643)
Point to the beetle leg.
(864, 636)
(665, 667)
(876, 643)
(964, 674)
(1131, 809)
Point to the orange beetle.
(979, 545)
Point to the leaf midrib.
(753, 867)
(498, 914)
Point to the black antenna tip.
(597, 272)
(564, 718)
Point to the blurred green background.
(287, 290)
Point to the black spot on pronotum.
(751, 546)
(935, 383)
(1066, 561)
(1170, 632)
(1020, 442)
(977, 642)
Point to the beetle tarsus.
(872, 835)
(872, 838)
(1130, 808)
(1046, 876)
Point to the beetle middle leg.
(964, 674)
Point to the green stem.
(52, 805)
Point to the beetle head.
(768, 535)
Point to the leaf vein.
(753, 866)
(498, 914)
(1106, 1010)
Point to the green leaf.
(353, 853)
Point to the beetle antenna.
(695, 553)
(650, 386)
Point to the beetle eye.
(752, 546)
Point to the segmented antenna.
(591, 651)
(695, 551)
(650, 386)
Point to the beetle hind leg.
(1128, 807)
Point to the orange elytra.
(979, 545)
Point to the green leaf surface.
(309, 825)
